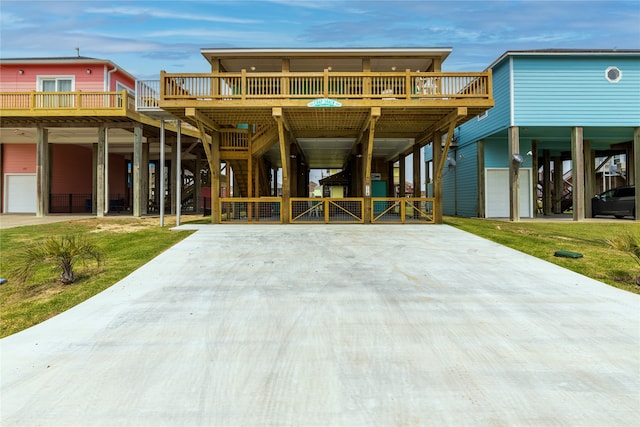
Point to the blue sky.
(145, 37)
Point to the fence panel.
(402, 210)
(246, 210)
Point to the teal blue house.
(558, 114)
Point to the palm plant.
(629, 244)
(62, 253)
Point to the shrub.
(61, 253)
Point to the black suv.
(618, 202)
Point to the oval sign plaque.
(324, 103)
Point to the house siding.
(467, 180)
(18, 158)
(497, 117)
(12, 81)
(573, 91)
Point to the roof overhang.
(341, 60)
(565, 52)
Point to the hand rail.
(78, 100)
(327, 84)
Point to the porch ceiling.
(557, 139)
(341, 60)
(326, 136)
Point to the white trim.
(611, 68)
(120, 86)
(41, 77)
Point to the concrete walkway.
(302, 325)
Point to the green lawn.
(126, 243)
(542, 239)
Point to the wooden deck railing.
(327, 84)
(78, 101)
(234, 141)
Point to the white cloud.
(157, 13)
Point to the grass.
(542, 239)
(127, 244)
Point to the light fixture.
(393, 68)
(20, 71)
(329, 68)
(529, 153)
(451, 162)
(517, 158)
(88, 70)
(359, 155)
(293, 156)
(253, 68)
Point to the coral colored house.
(71, 134)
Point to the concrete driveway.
(376, 325)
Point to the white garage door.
(20, 193)
(497, 193)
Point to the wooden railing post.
(243, 84)
(325, 84)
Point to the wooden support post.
(368, 158)
(43, 182)
(145, 179)
(636, 168)
(589, 178)
(402, 172)
(178, 169)
(100, 173)
(535, 173)
(94, 174)
(514, 168)
(197, 183)
(214, 167)
(451, 119)
(558, 184)
(437, 176)
(577, 184)
(136, 170)
(417, 172)
(285, 160)
(546, 182)
(172, 187)
(160, 174)
(481, 180)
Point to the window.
(613, 74)
(55, 84)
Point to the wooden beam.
(577, 171)
(514, 174)
(285, 160)
(589, 177)
(214, 170)
(441, 124)
(437, 184)
(43, 182)
(197, 115)
(375, 114)
(636, 168)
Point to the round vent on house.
(613, 74)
